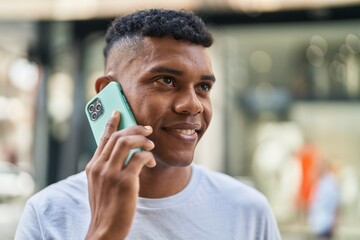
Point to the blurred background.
(286, 102)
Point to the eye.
(166, 81)
(206, 87)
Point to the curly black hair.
(181, 25)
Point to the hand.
(114, 187)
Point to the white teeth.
(185, 131)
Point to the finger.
(110, 128)
(139, 160)
(123, 147)
(134, 130)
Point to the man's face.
(167, 86)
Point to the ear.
(101, 82)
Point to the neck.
(161, 181)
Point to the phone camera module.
(95, 110)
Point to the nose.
(187, 102)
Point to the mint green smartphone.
(99, 109)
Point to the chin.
(175, 160)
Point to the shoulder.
(232, 190)
(238, 201)
(69, 192)
(57, 212)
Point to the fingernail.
(152, 143)
(153, 164)
(114, 113)
(148, 127)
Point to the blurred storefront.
(288, 78)
(288, 87)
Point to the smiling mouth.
(186, 131)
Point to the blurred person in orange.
(308, 156)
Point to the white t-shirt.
(212, 206)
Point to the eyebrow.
(162, 69)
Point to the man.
(160, 59)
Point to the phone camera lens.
(94, 116)
(98, 106)
(91, 108)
